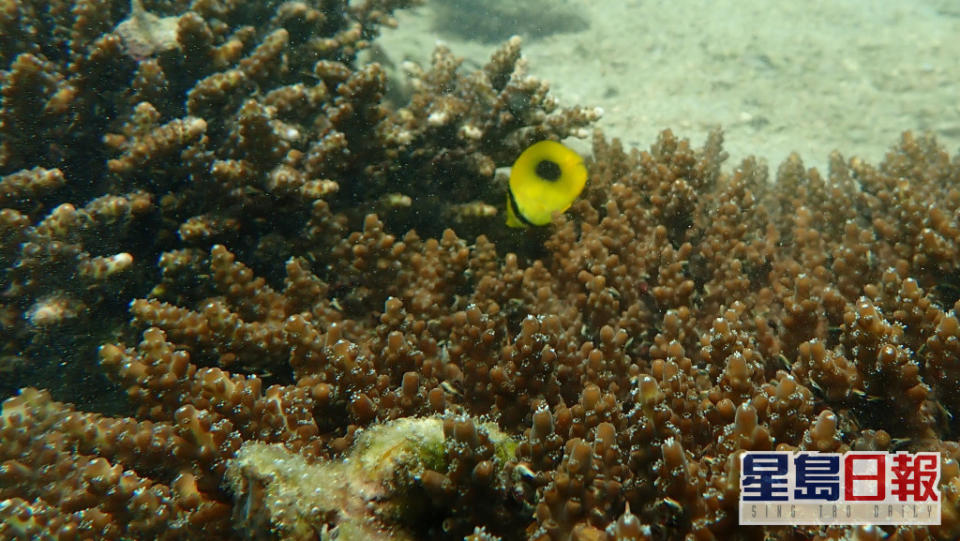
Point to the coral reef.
(692, 315)
(321, 295)
(131, 130)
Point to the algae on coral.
(374, 493)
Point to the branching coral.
(601, 385)
(632, 368)
(174, 126)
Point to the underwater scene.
(479, 270)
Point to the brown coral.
(634, 387)
(252, 205)
(205, 118)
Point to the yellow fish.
(546, 178)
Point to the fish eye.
(548, 170)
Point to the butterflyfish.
(546, 178)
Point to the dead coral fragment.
(145, 34)
(373, 493)
(52, 310)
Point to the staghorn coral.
(678, 315)
(95, 107)
(131, 130)
(631, 362)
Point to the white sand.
(779, 77)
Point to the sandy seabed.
(778, 77)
